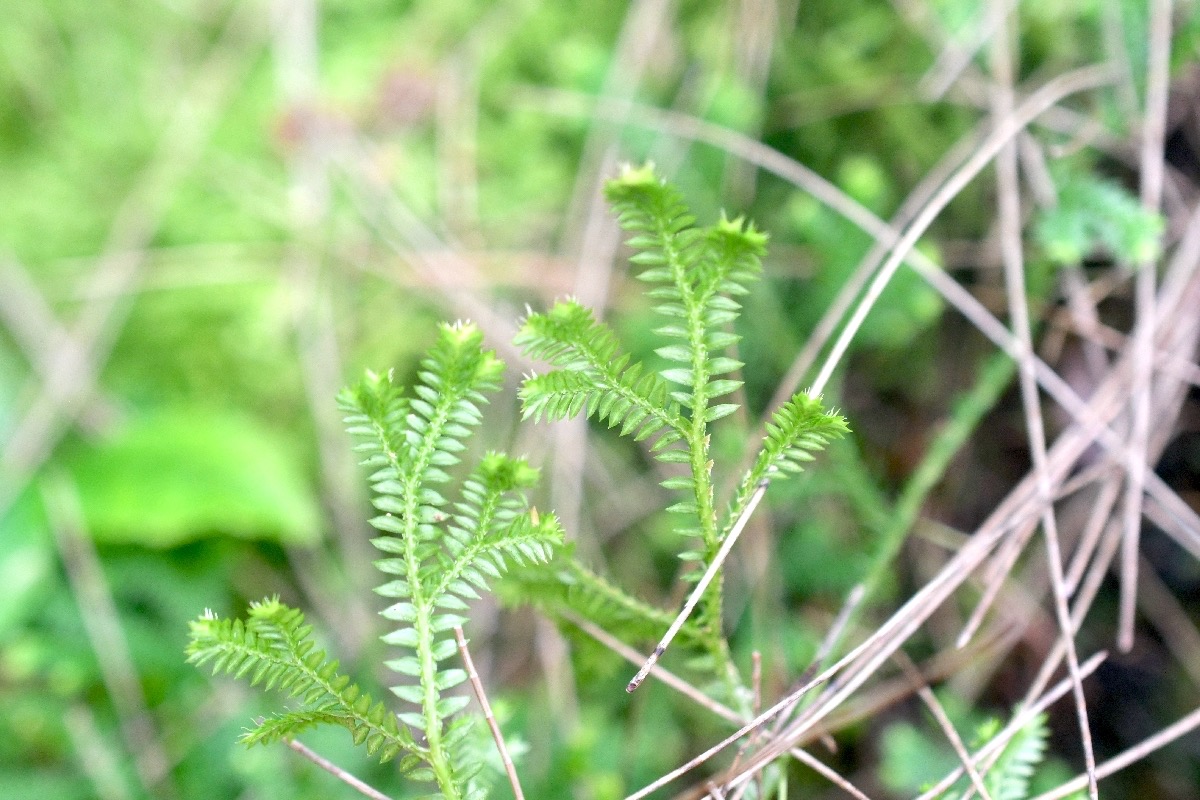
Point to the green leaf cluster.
(440, 549)
(1097, 215)
(695, 275)
(274, 648)
(1011, 776)
(438, 554)
(913, 759)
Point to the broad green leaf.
(179, 475)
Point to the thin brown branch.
(817, 766)
(481, 696)
(336, 771)
(701, 585)
(658, 671)
(1014, 278)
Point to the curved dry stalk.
(591, 237)
(295, 52)
(1006, 129)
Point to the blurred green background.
(215, 214)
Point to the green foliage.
(594, 376)
(1009, 777)
(694, 275)
(569, 587)
(172, 477)
(913, 760)
(93, 174)
(274, 648)
(439, 554)
(25, 564)
(1094, 215)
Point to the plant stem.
(714, 568)
(438, 761)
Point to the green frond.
(1009, 777)
(384, 747)
(441, 551)
(695, 275)
(273, 648)
(697, 272)
(568, 589)
(410, 442)
(800, 427)
(1011, 774)
(594, 377)
(438, 551)
(493, 528)
(1095, 215)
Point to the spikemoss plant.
(695, 275)
(438, 554)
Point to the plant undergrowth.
(444, 539)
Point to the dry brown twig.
(497, 735)
(1153, 140)
(336, 771)
(1012, 251)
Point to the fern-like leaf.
(570, 589)
(695, 275)
(696, 272)
(1009, 777)
(440, 552)
(273, 647)
(594, 377)
(799, 428)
